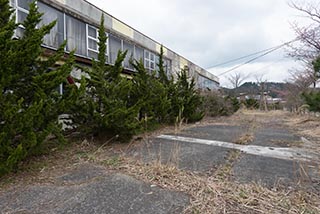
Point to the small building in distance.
(78, 22)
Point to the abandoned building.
(78, 23)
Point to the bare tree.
(298, 83)
(237, 79)
(307, 49)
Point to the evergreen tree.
(313, 100)
(104, 109)
(316, 71)
(29, 100)
(185, 100)
(162, 74)
(152, 94)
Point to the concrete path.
(90, 189)
(275, 156)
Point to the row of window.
(206, 83)
(83, 37)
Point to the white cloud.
(210, 32)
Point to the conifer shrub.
(251, 103)
(29, 102)
(151, 94)
(103, 106)
(185, 99)
(313, 100)
(215, 104)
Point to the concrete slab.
(273, 152)
(81, 174)
(215, 132)
(272, 172)
(107, 193)
(187, 156)
(276, 138)
(265, 170)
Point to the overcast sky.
(209, 32)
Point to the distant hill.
(274, 89)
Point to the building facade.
(78, 22)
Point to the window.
(22, 7)
(93, 47)
(138, 53)
(93, 40)
(22, 11)
(115, 46)
(56, 36)
(130, 49)
(149, 60)
(24, 4)
(167, 67)
(76, 35)
(157, 62)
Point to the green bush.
(29, 100)
(151, 94)
(216, 105)
(185, 99)
(313, 100)
(103, 104)
(251, 103)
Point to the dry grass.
(209, 193)
(244, 139)
(305, 125)
(212, 194)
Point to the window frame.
(20, 9)
(148, 60)
(95, 40)
(58, 33)
(114, 37)
(128, 56)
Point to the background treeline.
(101, 103)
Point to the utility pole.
(263, 100)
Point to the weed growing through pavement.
(244, 139)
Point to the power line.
(269, 65)
(242, 57)
(247, 62)
(255, 58)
